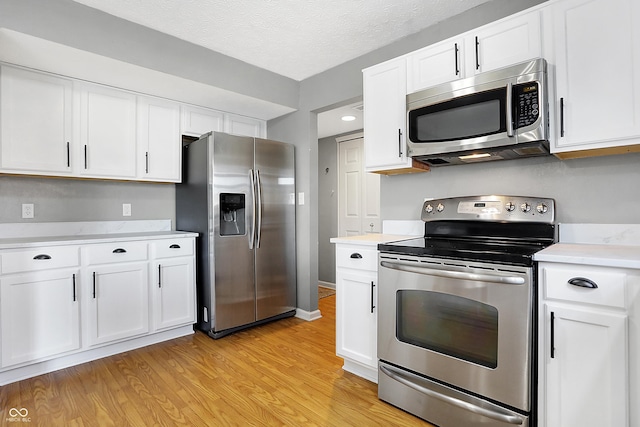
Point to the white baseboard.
(308, 315)
(327, 284)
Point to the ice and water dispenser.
(232, 214)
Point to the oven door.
(465, 324)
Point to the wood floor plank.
(284, 373)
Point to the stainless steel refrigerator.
(238, 193)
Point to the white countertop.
(623, 256)
(25, 235)
(606, 245)
(27, 242)
(372, 239)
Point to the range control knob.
(428, 209)
(509, 207)
(525, 207)
(542, 208)
(440, 207)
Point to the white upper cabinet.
(245, 126)
(107, 132)
(499, 44)
(597, 63)
(197, 121)
(159, 140)
(435, 64)
(385, 89)
(503, 43)
(36, 122)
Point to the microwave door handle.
(509, 108)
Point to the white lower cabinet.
(64, 304)
(174, 298)
(118, 302)
(39, 315)
(356, 312)
(587, 370)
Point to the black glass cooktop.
(503, 243)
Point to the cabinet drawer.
(170, 248)
(39, 259)
(610, 291)
(116, 252)
(357, 257)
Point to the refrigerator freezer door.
(234, 291)
(275, 254)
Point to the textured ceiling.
(294, 38)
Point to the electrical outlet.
(27, 210)
(126, 209)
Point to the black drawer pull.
(583, 283)
(174, 246)
(42, 256)
(119, 251)
(356, 255)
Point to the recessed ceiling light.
(348, 118)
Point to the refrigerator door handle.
(252, 223)
(259, 208)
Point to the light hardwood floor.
(284, 373)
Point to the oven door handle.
(408, 381)
(460, 275)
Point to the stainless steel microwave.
(496, 115)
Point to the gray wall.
(593, 190)
(57, 200)
(327, 206)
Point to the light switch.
(301, 198)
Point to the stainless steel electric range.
(457, 308)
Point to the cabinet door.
(36, 114)
(118, 302)
(159, 140)
(174, 295)
(108, 133)
(356, 316)
(597, 44)
(435, 64)
(198, 121)
(245, 126)
(39, 315)
(385, 90)
(504, 43)
(586, 376)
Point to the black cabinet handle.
(85, 156)
(146, 162)
(583, 283)
(159, 275)
(174, 246)
(74, 287)
(456, 54)
(119, 251)
(399, 143)
(42, 256)
(355, 255)
(477, 53)
(68, 155)
(94, 285)
(561, 117)
(553, 332)
(372, 306)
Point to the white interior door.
(358, 191)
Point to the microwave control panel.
(525, 104)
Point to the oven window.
(466, 117)
(448, 324)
